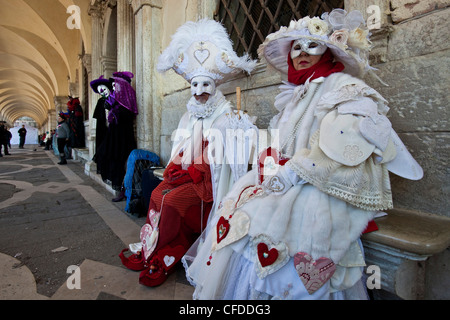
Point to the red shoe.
(161, 266)
(135, 262)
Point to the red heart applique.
(313, 273)
(223, 226)
(266, 257)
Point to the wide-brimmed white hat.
(203, 48)
(344, 33)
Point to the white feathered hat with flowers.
(344, 33)
(203, 48)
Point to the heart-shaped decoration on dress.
(149, 238)
(275, 184)
(168, 260)
(313, 273)
(237, 228)
(170, 256)
(270, 256)
(266, 257)
(270, 167)
(268, 163)
(377, 130)
(222, 228)
(201, 55)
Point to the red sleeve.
(200, 173)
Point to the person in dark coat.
(4, 139)
(7, 143)
(22, 134)
(103, 87)
(76, 123)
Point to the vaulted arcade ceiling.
(38, 55)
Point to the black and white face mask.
(103, 91)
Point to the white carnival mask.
(103, 91)
(311, 47)
(202, 84)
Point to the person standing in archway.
(22, 134)
(62, 134)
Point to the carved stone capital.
(112, 3)
(60, 103)
(86, 60)
(98, 8)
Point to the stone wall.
(415, 63)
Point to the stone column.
(73, 89)
(148, 22)
(86, 60)
(60, 106)
(125, 25)
(96, 13)
(109, 66)
(206, 9)
(52, 119)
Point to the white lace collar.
(204, 110)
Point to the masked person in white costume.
(206, 158)
(293, 232)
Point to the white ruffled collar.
(204, 110)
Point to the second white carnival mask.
(202, 84)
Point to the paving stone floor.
(45, 206)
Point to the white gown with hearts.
(304, 244)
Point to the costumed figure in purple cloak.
(112, 154)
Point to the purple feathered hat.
(123, 91)
(95, 83)
(126, 75)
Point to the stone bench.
(159, 173)
(400, 248)
(80, 154)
